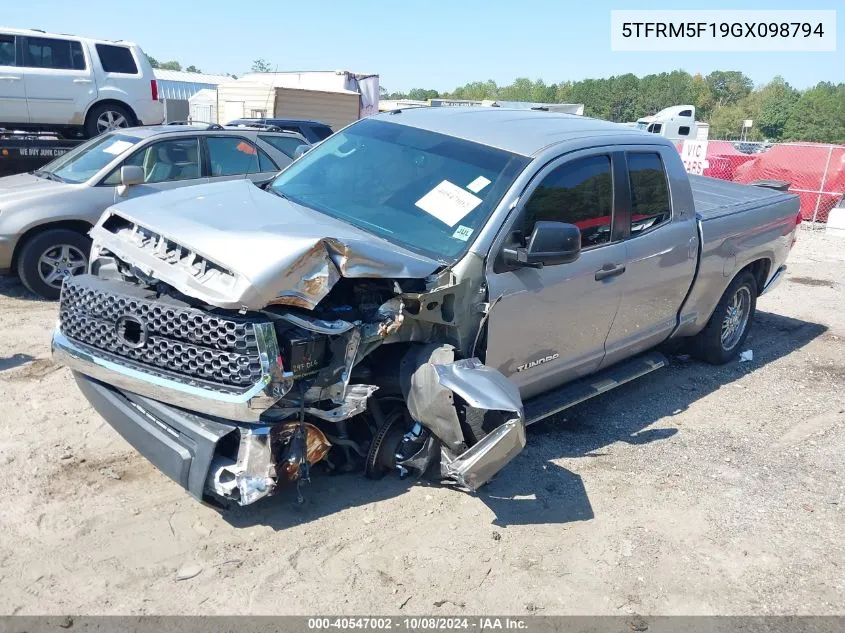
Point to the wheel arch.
(760, 268)
(80, 226)
(110, 101)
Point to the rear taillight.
(798, 219)
(154, 89)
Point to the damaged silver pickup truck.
(408, 295)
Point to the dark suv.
(313, 131)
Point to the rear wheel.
(47, 258)
(107, 117)
(722, 339)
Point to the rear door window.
(232, 156)
(7, 50)
(650, 202)
(285, 144)
(46, 52)
(116, 59)
(579, 192)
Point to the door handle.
(82, 81)
(609, 270)
(10, 77)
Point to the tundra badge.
(533, 363)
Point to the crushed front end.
(341, 368)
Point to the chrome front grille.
(185, 343)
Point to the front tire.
(47, 258)
(724, 335)
(106, 117)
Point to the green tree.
(728, 86)
(192, 69)
(421, 94)
(261, 65)
(818, 115)
(702, 97)
(153, 62)
(778, 99)
(171, 65)
(624, 98)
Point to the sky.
(438, 44)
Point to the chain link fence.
(813, 171)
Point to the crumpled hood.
(234, 245)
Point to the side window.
(685, 113)
(265, 163)
(7, 50)
(165, 161)
(116, 59)
(650, 205)
(322, 132)
(285, 144)
(655, 128)
(683, 130)
(44, 52)
(231, 156)
(580, 193)
(77, 57)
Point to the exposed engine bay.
(337, 371)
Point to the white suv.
(74, 84)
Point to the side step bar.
(547, 404)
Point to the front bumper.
(182, 445)
(245, 406)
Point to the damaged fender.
(430, 378)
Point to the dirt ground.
(696, 490)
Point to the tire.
(48, 257)
(724, 335)
(106, 117)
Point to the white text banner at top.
(723, 30)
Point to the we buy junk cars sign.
(694, 156)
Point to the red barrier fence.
(814, 171)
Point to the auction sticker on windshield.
(478, 184)
(448, 203)
(117, 147)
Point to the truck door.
(12, 91)
(551, 323)
(59, 84)
(661, 251)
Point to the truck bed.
(716, 198)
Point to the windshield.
(79, 164)
(425, 191)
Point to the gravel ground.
(695, 490)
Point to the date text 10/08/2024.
(417, 623)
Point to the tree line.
(724, 99)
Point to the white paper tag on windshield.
(462, 233)
(118, 147)
(448, 203)
(478, 184)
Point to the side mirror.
(131, 175)
(550, 243)
(300, 150)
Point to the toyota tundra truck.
(408, 295)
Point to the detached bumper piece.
(433, 383)
(207, 456)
